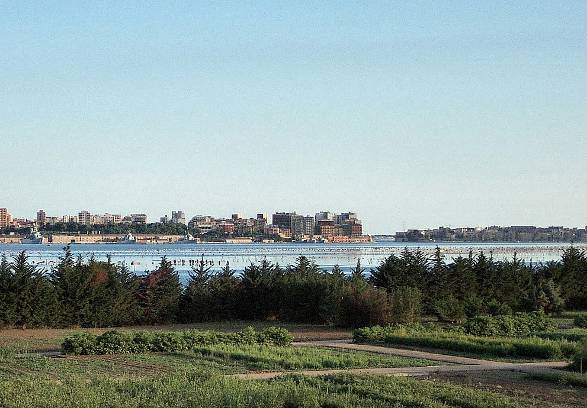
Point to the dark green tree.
(260, 291)
(197, 301)
(159, 294)
(571, 277)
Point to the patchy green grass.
(508, 347)
(265, 358)
(217, 359)
(562, 378)
(575, 334)
(216, 391)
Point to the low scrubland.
(204, 390)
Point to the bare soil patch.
(38, 340)
(518, 385)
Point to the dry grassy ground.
(23, 340)
(521, 387)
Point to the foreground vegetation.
(89, 293)
(213, 391)
(457, 341)
(202, 376)
(117, 342)
(563, 378)
(216, 359)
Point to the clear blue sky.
(414, 114)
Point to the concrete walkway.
(456, 363)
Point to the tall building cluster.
(285, 225)
(323, 225)
(83, 217)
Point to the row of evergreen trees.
(474, 285)
(98, 294)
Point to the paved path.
(457, 363)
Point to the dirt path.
(457, 364)
(349, 345)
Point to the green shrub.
(80, 343)
(472, 305)
(406, 304)
(520, 324)
(450, 309)
(580, 321)
(276, 336)
(562, 378)
(116, 342)
(495, 308)
(364, 306)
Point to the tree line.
(123, 228)
(91, 293)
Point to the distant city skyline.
(159, 217)
(416, 115)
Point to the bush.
(276, 336)
(80, 343)
(495, 308)
(116, 342)
(449, 309)
(364, 306)
(580, 321)
(406, 305)
(473, 305)
(520, 324)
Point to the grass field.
(206, 390)
(219, 359)
(452, 341)
(202, 377)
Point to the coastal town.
(515, 233)
(322, 227)
(88, 228)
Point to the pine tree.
(260, 291)
(159, 294)
(224, 290)
(34, 301)
(196, 300)
(572, 277)
(438, 285)
(72, 282)
(8, 315)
